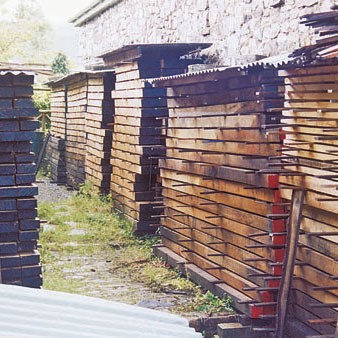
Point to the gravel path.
(52, 192)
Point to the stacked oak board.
(137, 141)
(81, 129)
(99, 128)
(221, 196)
(19, 259)
(56, 145)
(311, 151)
(75, 134)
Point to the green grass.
(107, 234)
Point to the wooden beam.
(289, 260)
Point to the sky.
(58, 13)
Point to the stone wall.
(235, 27)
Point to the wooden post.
(289, 260)
(44, 116)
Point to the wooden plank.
(289, 261)
(220, 172)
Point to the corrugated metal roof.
(16, 72)
(60, 79)
(28, 312)
(273, 61)
(283, 60)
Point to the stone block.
(235, 330)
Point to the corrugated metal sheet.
(28, 312)
(16, 72)
(59, 79)
(273, 61)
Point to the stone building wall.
(235, 27)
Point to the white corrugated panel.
(28, 312)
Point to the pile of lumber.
(220, 186)
(326, 26)
(75, 134)
(99, 128)
(67, 146)
(310, 150)
(56, 159)
(58, 111)
(19, 259)
(137, 143)
(81, 128)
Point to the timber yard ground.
(87, 249)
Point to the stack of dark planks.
(19, 259)
(220, 188)
(137, 141)
(99, 128)
(310, 150)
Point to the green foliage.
(42, 102)
(208, 302)
(108, 235)
(25, 37)
(60, 64)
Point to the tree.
(60, 64)
(25, 36)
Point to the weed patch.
(85, 226)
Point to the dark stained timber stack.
(56, 159)
(99, 129)
(311, 152)
(19, 259)
(221, 197)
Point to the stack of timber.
(75, 134)
(326, 26)
(81, 128)
(223, 212)
(99, 128)
(137, 141)
(56, 159)
(310, 151)
(56, 145)
(19, 259)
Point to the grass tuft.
(108, 235)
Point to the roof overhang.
(58, 80)
(92, 11)
(134, 52)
